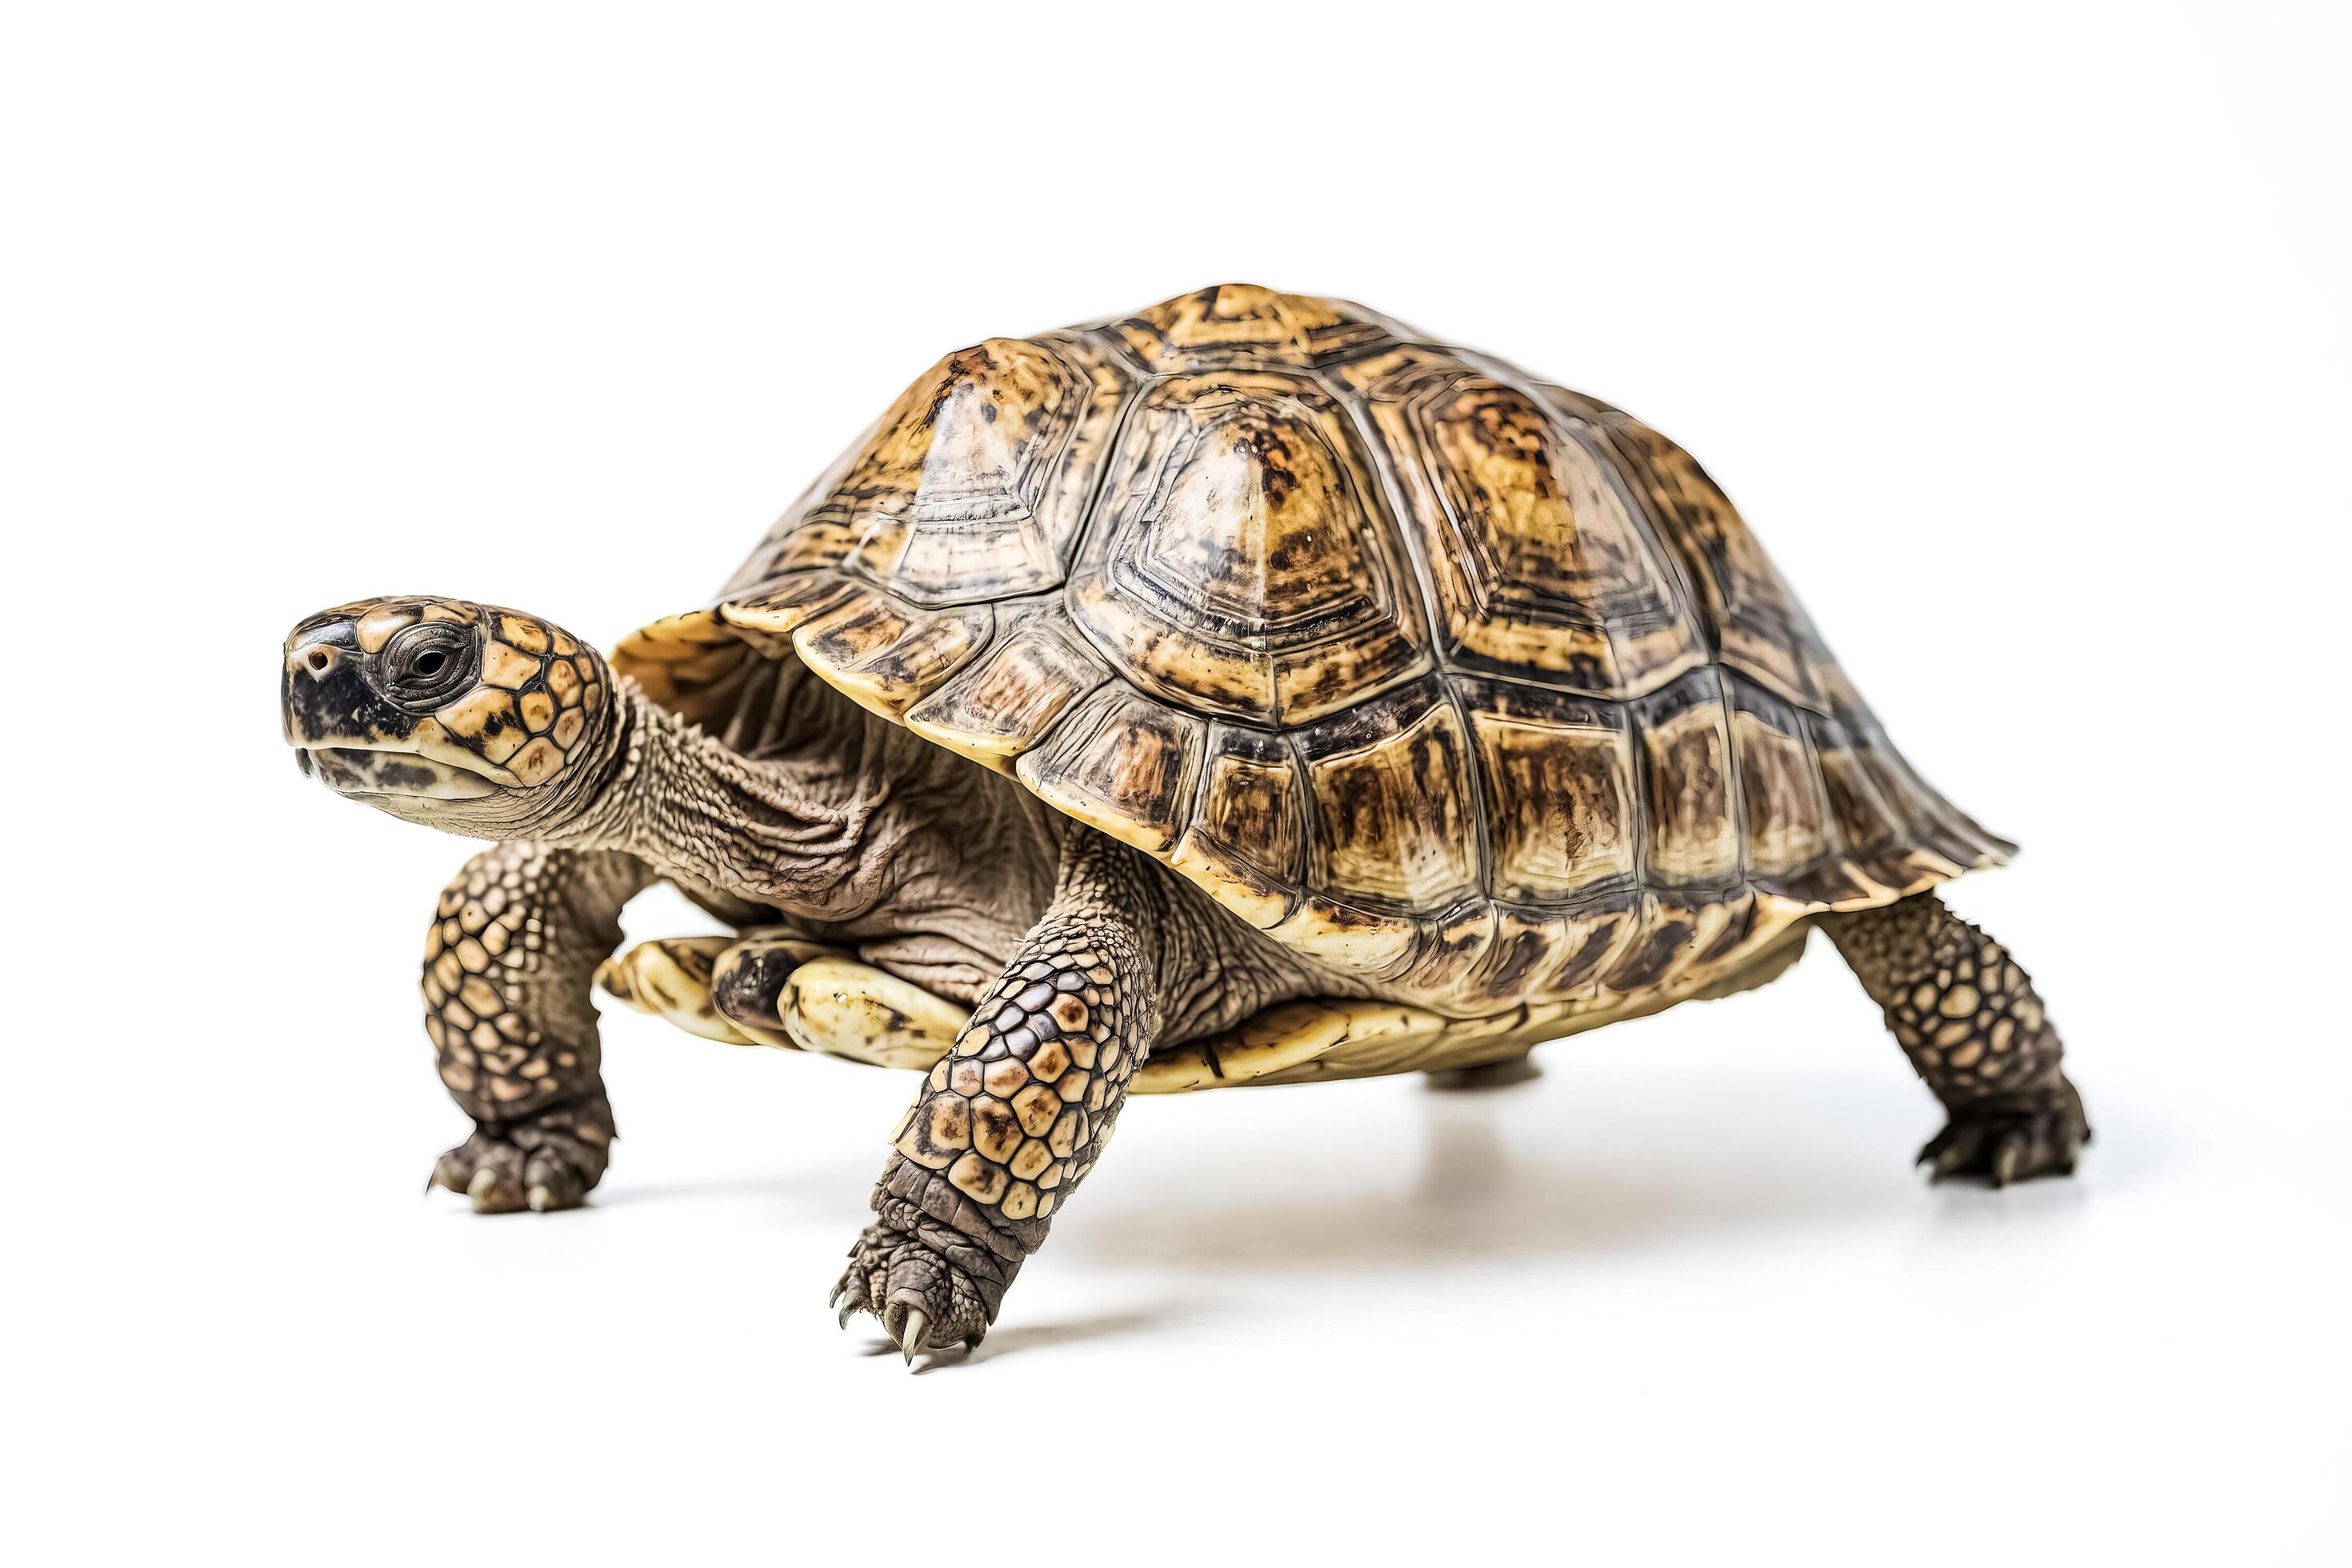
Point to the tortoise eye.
(424, 665)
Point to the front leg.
(1011, 1121)
(515, 940)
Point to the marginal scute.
(887, 654)
(1247, 839)
(1351, 940)
(1565, 952)
(1007, 701)
(783, 608)
(1670, 930)
(1708, 950)
(1123, 763)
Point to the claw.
(848, 1308)
(538, 1198)
(485, 1182)
(2004, 1161)
(916, 1334)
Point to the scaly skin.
(1975, 1030)
(1010, 1122)
(497, 725)
(514, 941)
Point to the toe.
(952, 1311)
(855, 1293)
(2009, 1140)
(914, 1334)
(1953, 1151)
(923, 1299)
(451, 1171)
(2010, 1153)
(497, 1187)
(553, 1181)
(485, 1171)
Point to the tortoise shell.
(1473, 687)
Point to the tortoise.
(1249, 690)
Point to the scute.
(1394, 822)
(1244, 324)
(1692, 821)
(1122, 762)
(1466, 685)
(1543, 567)
(1247, 836)
(1561, 804)
(1242, 561)
(973, 486)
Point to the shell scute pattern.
(1541, 567)
(971, 486)
(1242, 561)
(1248, 838)
(1393, 824)
(1442, 675)
(1561, 806)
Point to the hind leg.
(1974, 1027)
(763, 989)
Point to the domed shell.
(1460, 681)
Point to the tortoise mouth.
(367, 771)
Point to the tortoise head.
(467, 716)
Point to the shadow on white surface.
(1026, 1336)
(1511, 1174)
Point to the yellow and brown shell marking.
(1470, 688)
(1470, 699)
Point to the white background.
(2019, 333)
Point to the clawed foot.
(2008, 1138)
(549, 1163)
(925, 1300)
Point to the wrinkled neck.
(783, 830)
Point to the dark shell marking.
(1470, 685)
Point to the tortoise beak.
(322, 693)
(351, 739)
(367, 771)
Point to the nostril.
(319, 660)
